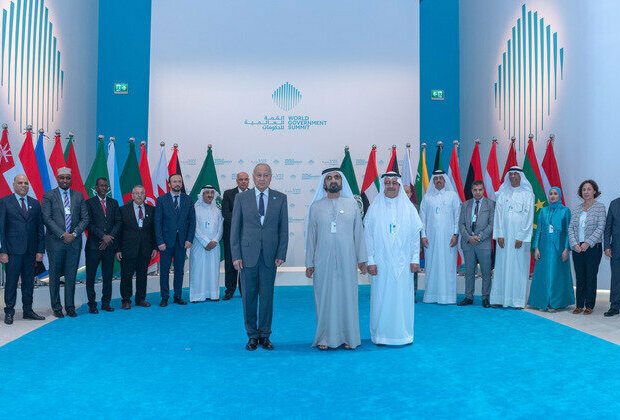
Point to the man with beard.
(335, 249)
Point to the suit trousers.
(93, 257)
(166, 257)
(63, 260)
(231, 276)
(586, 270)
(257, 283)
(614, 296)
(477, 255)
(19, 265)
(129, 266)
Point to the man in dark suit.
(258, 242)
(476, 229)
(175, 226)
(104, 224)
(65, 217)
(611, 243)
(136, 246)
(243, 180)
(21, 246)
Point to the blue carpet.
(179, 361)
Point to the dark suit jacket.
(612, 229)
(248, 237)
(484, 223)
(53, 212)
(19, 235)
(228, 201)
(169, 221)
(133, 241)
(101, 224)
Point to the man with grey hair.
(258, 243)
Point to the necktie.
(473, 224)
(67, 203)
(24, 209)
(261, 205)
(103, 205)
(140, 213)
(176, 202)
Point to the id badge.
(333, 227)
(474, 218)
(67, 210)
(140, 223)
(550, 228)
(437, 211)
(392, 228)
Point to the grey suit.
(612, 241)
(258, 246)
(480, 253)
(63, 258)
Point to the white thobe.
(514, 218)
(392, 293)
(204, 266)
(440, 218)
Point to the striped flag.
(438, 164)
(45, 171)
(550, 173)
(421, 178)
(160, 176)
(407, 175)
(491, 175)
(393, 163)
(56, 160)
(113, 172)
(30, 167)
(76, 178)
(370, 185)
(174, 166)
(474, 172)
(130, 177)
(454, 173)
(511, 160)
(145, 174)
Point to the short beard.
(332, 188)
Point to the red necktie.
(24, 209)
(103, 205)
(140, 214)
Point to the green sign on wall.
(121, 88)
(437, 95)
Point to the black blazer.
(19, 235)
(100, 224)
(228, 201)
(133, 241)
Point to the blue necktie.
(261, 205)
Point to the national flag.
(76, 178)
(438, 165)
(99, 169)
(160, 176)
(206, 176)
(511, 160)
(174, 166)
(474, 172)
(7, 164)
(56, 160)
(349, 173)
(370, 185)
(28, 161)
(113, 172)
(145, 174)
(407, 175)
(45, 171)
(550, 173)
(454, 173)
(532, 173)
(491, 175)
(130, 177)
(421, 178)
(393, 164)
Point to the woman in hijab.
(552, 282)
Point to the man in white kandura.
(392, 228)
(439, 212)
(335, 249)
(512, 228)
(204, 263)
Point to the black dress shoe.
(179, 301)
(465, 302)
(33, 315)
(163, 303)
(107, 308)
(611, 312)
(71, 313)
(497, 306)
(8, 319)
(485, 303)
(252, 344)
(227, 297)
(93, 310)
(265, 343)
(59, 314)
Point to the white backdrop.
(215, 66)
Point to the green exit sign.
(437, 95)
(121, 88)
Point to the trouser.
(477, 255)
(257, 283)
(93, 257)
(19, 265)
(586, 269)
(129, 266)
(614, 296)
(178, 254)
(63, 260)
(231, 276)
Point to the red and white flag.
(550, 173)
(145, 174)
(491, 175)
(370, 185)
(7, 164)
(511, 160)
(56, 160)
(30, 167)
(407, 174)
(454, 173)
(160, 176)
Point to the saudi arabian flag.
(349, 173)
(532, 173)
(99, 169)
(130, 177)
(207, 176)
(421, 177)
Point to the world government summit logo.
(285, 97)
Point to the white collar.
(19, 197)
(63, 190)
(257, 192)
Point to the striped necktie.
(67, 203)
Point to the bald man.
(232, 275)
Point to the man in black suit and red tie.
(136, 246)
(232, 275)
(22, 244)
(103, 227)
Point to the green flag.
(421, 177)
(207, 176)
(99, 169)
(349, 173)
(532, 173)
(130, 177)
(438, 165)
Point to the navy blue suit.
(173, 226)
(21, 237)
